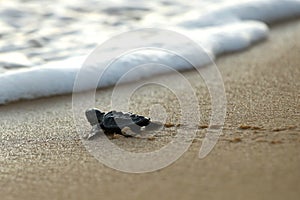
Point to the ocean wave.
(225, 27)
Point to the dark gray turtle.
(113, 122)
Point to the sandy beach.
(257, 156)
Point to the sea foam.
(224, 27)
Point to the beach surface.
(257, 156)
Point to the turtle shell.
(118, 120)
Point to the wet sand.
(257, 157)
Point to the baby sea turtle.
(113, 122)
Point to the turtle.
(114, 122)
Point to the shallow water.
(38, 34)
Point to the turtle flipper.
(95, 131)
(126, 131)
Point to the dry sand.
(257, 157)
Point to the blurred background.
(34, 32)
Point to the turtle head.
(94, 116)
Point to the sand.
(257, 157)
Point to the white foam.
(267, 11)
(226, 27)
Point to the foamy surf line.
(229, 27)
